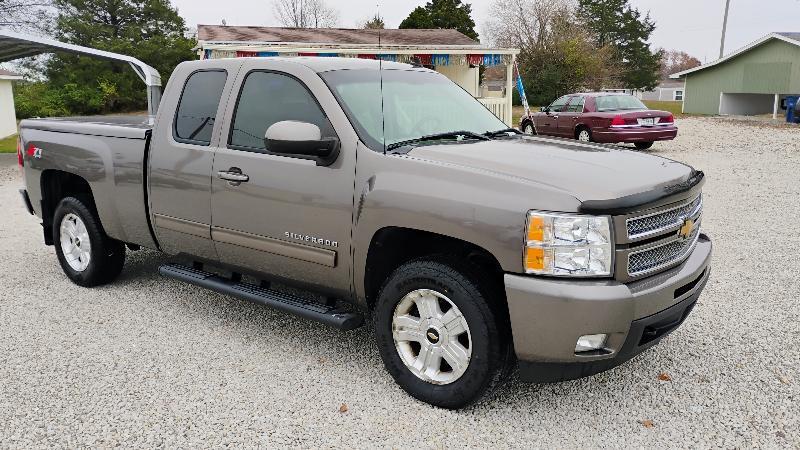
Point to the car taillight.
(20, 159)
(617, 121)
(669, 119)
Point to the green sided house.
(752, 80)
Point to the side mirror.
(301, 140)
(544, 109)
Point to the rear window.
(618, 102)
(197, 109)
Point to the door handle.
(233, 175)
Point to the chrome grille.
(664, 220)
(655, 258)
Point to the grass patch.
(9, 144)
(673, 107)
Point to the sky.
(693, 26)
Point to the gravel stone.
(149, 361)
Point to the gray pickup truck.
(382, 190)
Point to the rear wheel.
(438, 335)
(584, 135)
(87, 256)
(643, 145)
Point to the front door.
(181, 157)
(289, 219)
(547, 122)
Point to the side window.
(197, 109)
(557, 105)
(267, 98)
(678, 95)
(576, 105)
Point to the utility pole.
(724, 29)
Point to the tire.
(643, 145)
(457, 289)
(98, 265)
(528, 128)
(583, 134)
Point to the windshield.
(618, 102)
(415, 103)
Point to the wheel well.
(393, 246)
(579, 127)
(527, 122)
(57, 185)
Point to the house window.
(677, 95)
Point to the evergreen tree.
(447, 14)
(150, 30)
(616, 23)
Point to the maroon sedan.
(602, 117)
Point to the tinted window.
(558, 104)
(576, 105)
(618, 102)
(267, 98)
(197, 109)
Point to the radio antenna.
(380, 74)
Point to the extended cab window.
(267, 98)
(197, 109)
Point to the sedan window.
(576, 105)
(618, 102)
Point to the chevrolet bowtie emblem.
(686, 228)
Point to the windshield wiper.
(459, 135)
(505, 131)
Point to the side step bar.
(329, 315)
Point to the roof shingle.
(220, 33)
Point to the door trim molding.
(184, 226)
(294, 250)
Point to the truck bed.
(109, 153)
(123, 126)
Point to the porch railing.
(498, 106)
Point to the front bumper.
(549, 315)
(637, 134)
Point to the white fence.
(499, 107)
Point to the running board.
(329, 315)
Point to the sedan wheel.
(528, 129)
(584, 136)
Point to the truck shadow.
(353, 356)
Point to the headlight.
(568, 245)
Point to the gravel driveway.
(149, 361)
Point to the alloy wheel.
(431, 336)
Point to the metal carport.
(14, 46)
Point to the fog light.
(590, 342)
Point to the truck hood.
(586, 171)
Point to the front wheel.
(438, 335)
(528, 129)
(643, 145)
(87, 255)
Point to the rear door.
(181, 157)
(291, 219)
(569, 117)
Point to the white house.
(667, 90)
(447, 51)
(8, 119)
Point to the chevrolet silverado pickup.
(382, 190)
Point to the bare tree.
(374, 23)
(305, 13)
(25, 14)
(674, 61)
(557, 54)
